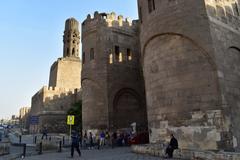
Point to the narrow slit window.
(140, 14)
(67, 51)
(129, 54)
(83, 57)
(91, 54)
(151, 5)
(117, 53)
(120, 57)
(110, 58)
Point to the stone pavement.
(105, 154)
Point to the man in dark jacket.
(75, 143)
(44, 133)
(172, 146)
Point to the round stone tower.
(71, 38)
(113, 94)
(182, 87)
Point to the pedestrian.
(107, 138)
(114, 139)
(85, 139)
(172, 146)
(44, 133)
(75, 143)
(102, 138)
(90, 140)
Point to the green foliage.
(76, 110)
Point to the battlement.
(51, 93)
(110, 20)
(226, 11)
(58, 89)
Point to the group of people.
(116, 139)
(105, 138)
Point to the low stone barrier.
(185, 154)
(48, 145)
(4, 148)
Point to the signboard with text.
(70, 120)
(34, 120)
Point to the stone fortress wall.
(181, 64)
(224, 19)
(51, 104)
(112, 81)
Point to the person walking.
(107, 138)
(114, 139)
(102, 139)
(172, 146)
(90, 140)
(85, 139)
(44, 133)
(75, 143)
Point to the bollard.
(40, 148)
(60, 146)
(24, 150)
(20, 139)
(50, 138)
(63, 140)
(35, 139)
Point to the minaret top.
(71, 38)
(71, 24)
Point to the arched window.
(83, 57)
(235, 9)
(129, 54)
(110, 58)
(91, 53)
(67, 51)
(73, 51)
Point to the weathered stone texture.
(65, 73)
(186, 73)
(187, 154)
(112, 87)
(51, 104)
(226, 39)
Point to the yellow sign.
(70, 120)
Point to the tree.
(76, 110)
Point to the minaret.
(71, 38)
(66, 71)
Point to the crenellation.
(110, 20)
(226, 11)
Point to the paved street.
(106, 154)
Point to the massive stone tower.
(191, 61)
(66, 71)
(112, 82)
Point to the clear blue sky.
(31, 40)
